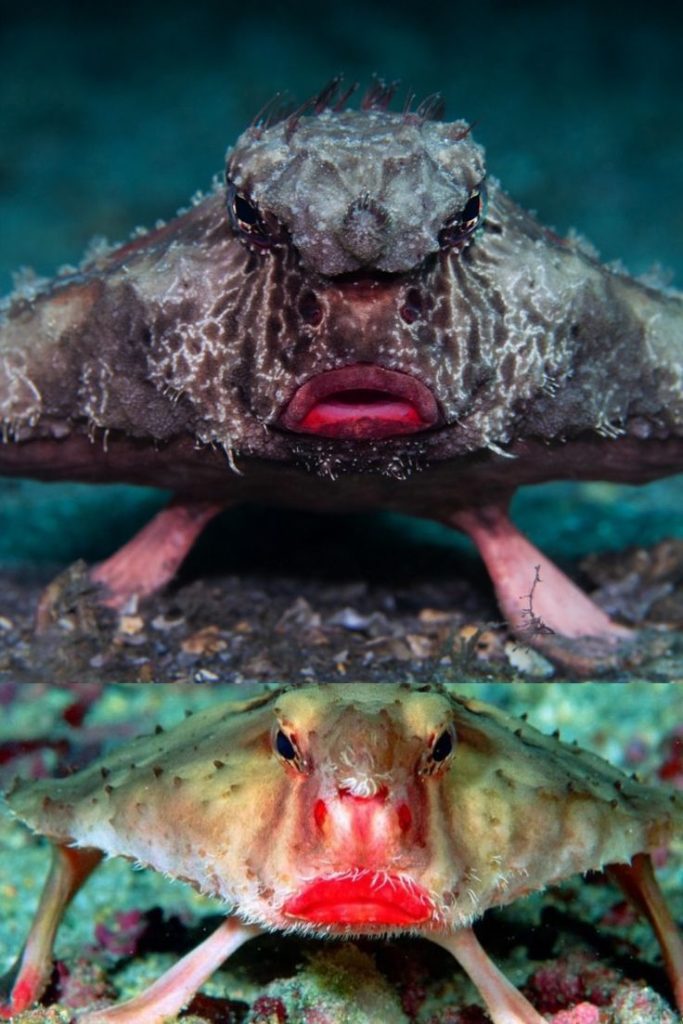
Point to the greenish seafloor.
(341, 982)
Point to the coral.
(209, 1009)
(268, 1010)
(582, 1013)
(339, 985)
(53, 1015)
(576, 990)
(82, 983)
(635, 1005)
(562, 983)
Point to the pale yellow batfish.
(346, 810)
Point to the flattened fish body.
(347, 244)
(218, 802)
(357, 317)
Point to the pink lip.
(362, 898)
(361, 402)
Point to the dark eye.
(245, 212)
(247, 219)
(443, 747)
(437, 752)
(460, 228)
(284, 746)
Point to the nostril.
(412, 307)
(310, 309)
(364, 230)
(320, 813)
(405, 818)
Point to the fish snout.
(364, 231)
(361, 823)
(368, 878)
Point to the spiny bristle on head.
(379, 95)
(334, 97)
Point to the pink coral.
(122, 939)
(563, 983)
(582, 1013)
(268, 1010)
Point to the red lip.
(361, 898)
(361, 402)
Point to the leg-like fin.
(638, 882)
(26, 980)
(511, 560)
(174, 990)
(542, 606)
(505, 1004)
(153, 556)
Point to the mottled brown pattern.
(519, 335)
(178, 354)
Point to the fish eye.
(247, 219)
(246, 213)
(443, 746)
(457, 231)
(438, 753)
(284, 746)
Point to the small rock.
(527, 661)
(434, 616)
(205, 641)
(349, 618)
(131, 624)
(164, 623)
(205, 676)
(421, 646)
(299, 615)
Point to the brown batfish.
(356, 317)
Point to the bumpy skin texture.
(347, 324)
(346, 810)
(508, 811)
(152, 362)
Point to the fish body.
(356, 809)
(356, 317)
